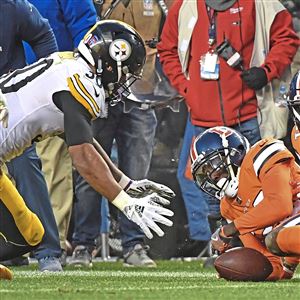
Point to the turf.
(170, 280)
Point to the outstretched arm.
(91, 162)
(114, 170)
(135, 188)
(95, 168)
(91, 165)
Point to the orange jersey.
(264, 195)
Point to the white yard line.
(91, 273)
(124, 289)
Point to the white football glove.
(145, 212)
(3, 111)
(141, 188)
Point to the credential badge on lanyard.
(209, 62)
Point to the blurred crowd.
(149, 133)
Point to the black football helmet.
(217, 155)
(293, 99)
(118, 53)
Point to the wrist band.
(122, 200)
(124, 182)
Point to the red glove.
(219, 241)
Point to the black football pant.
(12, 243)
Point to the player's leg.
(12, 243)
(284, 240)
(288, 240)
(26, 222)
(12, 240)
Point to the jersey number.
(17, 79)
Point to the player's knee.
(271, 243)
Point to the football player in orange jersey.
(285, 238)
(253, 185)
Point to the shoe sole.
(138, 266)
(79, 265)
(5, 273)
(51, 271)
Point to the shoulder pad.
(58, 57)
(66, 55)
(267, 150)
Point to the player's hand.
(3, 111)
(145, 212)
(219, 242)
(141, 188)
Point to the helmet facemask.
(115, 91)
(216, 175)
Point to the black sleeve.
(77, 120)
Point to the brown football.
(243, 264)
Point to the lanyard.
(211, 13)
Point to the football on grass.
(243, 264)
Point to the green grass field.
(170, 280)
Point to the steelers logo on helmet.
(120, 50)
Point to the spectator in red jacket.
(196, 50)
